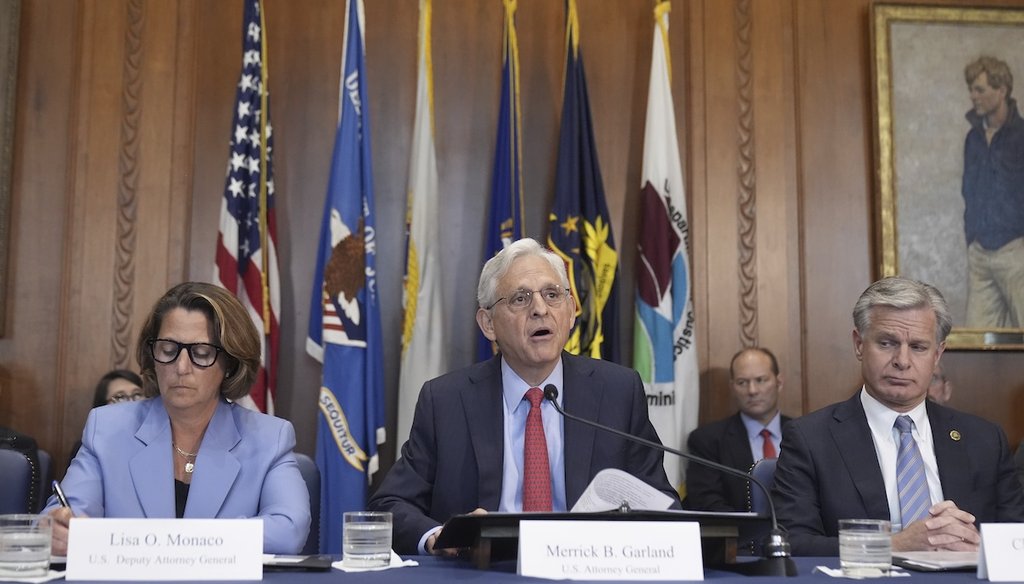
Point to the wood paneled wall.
(123, 119)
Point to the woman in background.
(117, 386)
(188, 451)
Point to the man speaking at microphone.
(484, 438)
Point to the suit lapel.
(150, 467)
(737, 444)
(950, 454)
(216, 466)
(581, 396)
(853, 442)
(481, 403)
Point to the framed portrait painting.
(950, 161)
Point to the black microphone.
(776, 544)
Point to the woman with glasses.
(189, 451)
(117, 386)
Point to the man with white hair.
(484, 438)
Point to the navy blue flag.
(344, 322)
(506, 223)
(580, 226)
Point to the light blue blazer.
(245, 469)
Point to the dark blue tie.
(913, 486)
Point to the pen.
(60, 494)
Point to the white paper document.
(940, 560)
(612, 487)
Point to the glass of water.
(366, 539)
(865, 547)
(24, 545)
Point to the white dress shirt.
(516, 409)
(754, 434)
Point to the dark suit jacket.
(452, 462)
(1018, 459)
(724, 442)
(828, 471)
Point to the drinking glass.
(366, 539)
(865, 547)
(24, 545)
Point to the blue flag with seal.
(344, 321)
(580, 230)
(506, 221)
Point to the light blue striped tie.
(910, 480)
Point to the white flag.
(423, 345)
(663, 342)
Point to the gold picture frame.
(921, 98)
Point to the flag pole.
(661, 11)
(264, 144)
(516, 200)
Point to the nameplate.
(610, 550)
(165, 549)
(1001, 557)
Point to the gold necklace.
(189, 464)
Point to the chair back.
(45, 478)
(764, 471)
(311, 474)
(16, 496)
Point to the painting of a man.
(993, 193)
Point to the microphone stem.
(720, 467)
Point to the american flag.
(246, 254)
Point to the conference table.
(432, 570)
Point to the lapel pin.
(955, 435)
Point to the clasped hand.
(947, 528)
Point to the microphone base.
(784, 566)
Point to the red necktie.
(768, 448)
(536, 472)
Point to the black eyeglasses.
(166, 351)
(521, 299)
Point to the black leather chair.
(757, 501)
(17, 494)
(311, 474)
(764, 471)
(45, 478)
